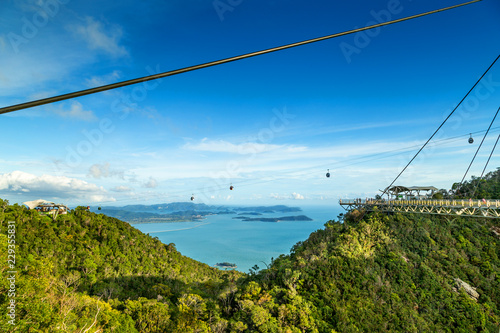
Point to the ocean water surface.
(220, 238)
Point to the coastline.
(224, 239)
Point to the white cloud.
(121, 188)
(322, 129)
(297, 196)
(100, 37)
(37, 70)
(76, 111)
(31, 66)
(95, 81)
(3, 44)
(42, 94)
(151, 183)
(277, 196)
(31, 6)
(242, 148)
(101, 198)
(104, 171)
(294, 196)
(48, 187)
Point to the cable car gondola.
(471, 140)
(192, 197)
(231, 187)
(328, 173)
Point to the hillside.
(85, 266)
(396, 273)
(487, 187)
(392, 273)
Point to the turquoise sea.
(220, 238)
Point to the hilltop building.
(45, 207)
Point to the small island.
(276, 219)
(226, 265)
(192, 212)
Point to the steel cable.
(208, 64)
(442, 124)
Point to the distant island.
(268, 209)
(274, 219)
(147, 217)
(226, 265)
(193, 212)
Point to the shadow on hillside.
(153, 287)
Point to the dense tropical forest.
(487, 187)
(364, 272)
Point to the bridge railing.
(428, 202)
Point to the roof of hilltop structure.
(408, 189)
(41, 202)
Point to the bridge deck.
(461, 207)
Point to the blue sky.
(359, 105)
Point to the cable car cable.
(304, 171)
(299, 172)
(477, 150)
(444, 121)
(365, 159)
(379, 156)
(485, 166)
(209, 64)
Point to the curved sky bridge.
(456, 207)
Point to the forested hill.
(365, 273)
(487, 187)
(398, 273)
(85, 266)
